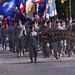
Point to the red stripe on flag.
(36, 1)
(22, 7)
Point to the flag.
(1, 17)
(42, 8)
(22, 7)
(4, 22)
(8, 20)
(18, 3)
(1, 8)
(30, 8)
(36, 1)
(9, 7)
(51, 8)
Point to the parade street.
(10, 64)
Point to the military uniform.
(20, 33)
(45, 45)
(3, 37)
(11, 38)
(32, 44)
(57, 45)
(70, 45)
(64, 43)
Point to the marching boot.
(31, 60)
(35, 59)
(56, 56)
(60, 55)
(21, 53)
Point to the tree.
(62, 7)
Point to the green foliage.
(65, 6)
(1, 0)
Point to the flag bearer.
(20, 33)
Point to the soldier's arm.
(24, 30)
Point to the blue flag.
(18, 3)
(52, 8)
(42, 8)
(8, 7)
(1, 8)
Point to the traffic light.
(62, 1)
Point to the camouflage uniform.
(3, 34)
(11, 38)
(20, 33)
(32, 44)
(57, 45)
(45, 45)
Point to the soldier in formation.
(23, 36)
(20, 33)
(32, 44)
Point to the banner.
(57, 36)
(30, 8)
(51, 8)
(7, 7)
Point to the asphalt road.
(10, 64)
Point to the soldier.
(57, 44)
(64, 42)
(45, 45)
(49, 23)
(20, 33)
(69, 43)
(11, 38)
(37, 29)
(3, 33)
(32, 43)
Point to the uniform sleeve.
(24, 30)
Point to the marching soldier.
(64, 42)
(3, 34)
(33, 44)
(37, 29)
(57, 45)
(11, 38)
(20, 33)
(69, 42)
(45, 45)
(49, 23)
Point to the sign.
(57, 36)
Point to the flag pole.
(35, 9)
(25, 10)
(54, 11)
(35, 12)
(70, 13)
(45, 9)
